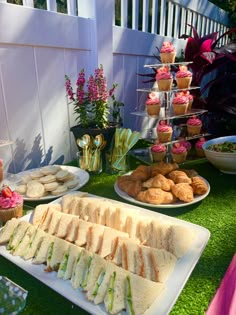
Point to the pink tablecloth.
(224, 301)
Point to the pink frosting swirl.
(167, 47)
(152, 101)
(180, 99)
(178, 149)
(199, 143)
(183, 74)
(163, 76)
(11, 202)
(186, 144)
(158, 148)
(164, 128)
(194, 121)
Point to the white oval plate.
(80, 174)
(177, 204)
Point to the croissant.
(179, 177)
(199, 185)
(156, 196)
(190, 173)
(159, 181)
(142, 172)
(163, 168)
(130, 187)
(183, 191)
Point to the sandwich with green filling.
(7, 231)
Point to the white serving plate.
(174, 284)
(15, 179)
(177, 204)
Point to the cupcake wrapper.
(180, 109)
(8, 214)
(193, 130)
(165, 85)
(158, 156)
(153, 110)
(184, 83)
(164, 136)
(168, 57)
(179, 158)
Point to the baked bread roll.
(183, 191)
(163, 168)
(142, 172)
(159, 181)
(179, 177)
(199, 185)
(156, 196)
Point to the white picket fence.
(38, 47)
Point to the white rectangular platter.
(174, 284)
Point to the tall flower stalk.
(92, 99)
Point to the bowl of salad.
(221, 152)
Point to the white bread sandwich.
(24, 243)
(33, 245)
(94, 237)
(114, 299)
(39, 214)
(143, 230)
(81, 238)
(179, 240)
(67, 264)
(64, 225)
(129, 252)
(73, 231)
(17, 235)
(109, 237)
(7, 230)
(97, 294)
(111, 215)
(55, 254)
(67, 201)
(79, 269)
(54, 222)
(131, 226)
(116, 253)
(141, 293)
(41, 254)
(144, 266)
(163, 263)
(94, 266)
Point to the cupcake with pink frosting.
(194, 126)
(183, 77)
(164, 79)
(164, 132)
(158, 152)
(153, 104)
(186, 144)
(11, 204)
(167, 53)
(178, 153)
(180, 105)
(198, 147)
(189, 96)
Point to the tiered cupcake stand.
(167, 114)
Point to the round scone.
(21, 189)
(47, 179)
(61, 189)
(61, 175)
(70, 176)
(35, 189)
(36, 174)
(50, 169)
(71, 183)
(51, 186)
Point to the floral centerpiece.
(93, 101)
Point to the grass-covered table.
(217, 213)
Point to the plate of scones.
(49, 182)
(162, 185)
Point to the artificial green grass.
(217, 213)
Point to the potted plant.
(214, 70)
(94, 105)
